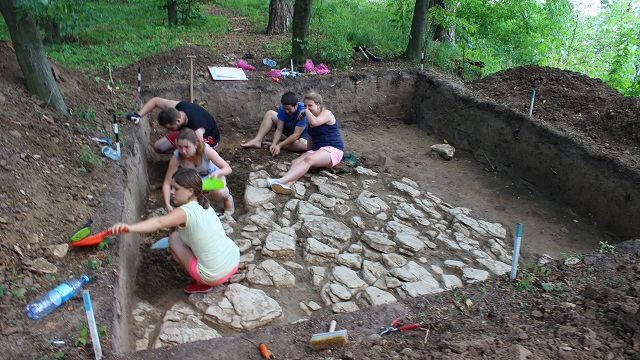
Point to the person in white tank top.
(199, 244)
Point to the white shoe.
(271, 181)
(281, 189)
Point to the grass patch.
(136, 30)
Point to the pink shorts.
(193, 271)
(172, 136)
(336, 154)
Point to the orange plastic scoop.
(94, 239)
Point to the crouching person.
(200, 244)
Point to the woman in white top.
(200, 244)
(194, 153)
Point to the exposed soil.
(48, 189)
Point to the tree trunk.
(32, 57)
(300, 39)
(280, 14)
(172, 10)
(418, 28)
(440, 33)
(52, 32)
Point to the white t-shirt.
(203, 232)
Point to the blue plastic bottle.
(44, 304)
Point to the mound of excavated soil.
(574, 103)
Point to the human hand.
(118, 228)
(215, 174)
(169, 208)
(134, 116)
(274, 149)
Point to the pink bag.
(244, 65)
(308, 65)
(322, 69)
(274, 73)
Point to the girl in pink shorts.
(200, 244)
(325, 145)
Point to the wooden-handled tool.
(191, 57)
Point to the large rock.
(348, 278)
(242, 308)
(445, 151)
(400, 228)
(406, 188)
(256, 196)
(375, 296)
(306, 208)
(379, 241)
(335, 191)
(409, 243)
(269, 272)
(374, 274)
(371, 203)
(319, 253)
(181, 325)
(482, 227)
(424, 287)
(327, 231)
(407, 211)
(279, 245)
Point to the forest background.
(469, 38)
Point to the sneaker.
(194, 287)
(281, 189)
(271, 182)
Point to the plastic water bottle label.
(64, 291)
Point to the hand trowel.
(161, 244)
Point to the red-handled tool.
(94, 239)
(264, 351)
(393, 327)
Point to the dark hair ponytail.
(189, 178)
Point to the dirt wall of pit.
(596, 185)
(242, 104)
(135, 194)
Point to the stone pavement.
(342, 243)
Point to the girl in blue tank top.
(325, 145)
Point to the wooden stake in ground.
(191, 57)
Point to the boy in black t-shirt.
(177, 114)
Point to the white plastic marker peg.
(95, 338)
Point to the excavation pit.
(397, 229)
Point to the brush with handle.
(329, 339)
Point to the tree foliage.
(498, 33)
(59, 20)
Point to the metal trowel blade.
(161, 244)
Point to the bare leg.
(306, 161)
(224, 195)
(181, 253)
(268, 121)
(299, 145)
(163, 146)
